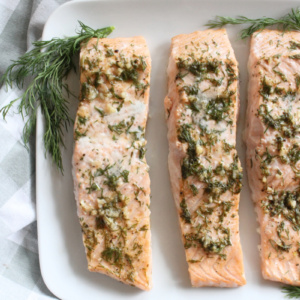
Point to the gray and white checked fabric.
(21, 23)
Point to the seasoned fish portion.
(273, 153)
(205, 172)
(112, 185)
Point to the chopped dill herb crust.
(273, 152)
(202, 126)
(282, 125)
(111, 174)
(195, 133)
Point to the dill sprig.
(292, 292)
(46, 66)
(290, 21)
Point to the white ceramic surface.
(62, 257)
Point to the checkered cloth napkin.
(21, 23)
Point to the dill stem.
(48, 63)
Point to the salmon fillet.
(111, 179)
(205, 172)
(273, 150)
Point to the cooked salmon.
(112, 185)
(273, 150)
(206, 175)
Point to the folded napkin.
(21, 23)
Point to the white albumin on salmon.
(273, 150)
(112, 185)
(205, 172)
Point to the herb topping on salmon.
(205, 171)
(112, 185)
(273, 150)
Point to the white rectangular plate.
(62, 257)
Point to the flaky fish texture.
(201, 110)
(273, 152)
(112, 185)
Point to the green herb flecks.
(216, 246)
(109, 53)
(283, 123)
(194, 189)
(199, 68)
(285, 203)
(94, 187)
(191, 167)
(49, 63)
(82, 120)
(210, 245)
(184, 135)
(185, 214)
(280, 247)
(112, 179)
(122, 127)
(90, 239)
(144, 228)
(295, 56)
(294, 45)
(79, 134)
(130, 72)
(297, 80)
(190, 164)
(294, 154)
(280, 74)
(100, 111)
(142, 152)
(290, 21)
(113, 255)
(191, 90)
(265, 89)
(219, 109)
